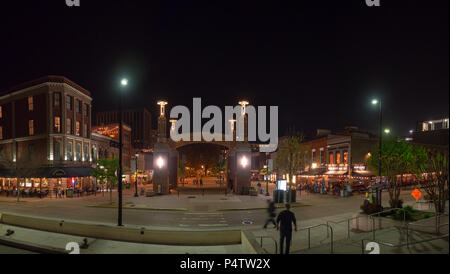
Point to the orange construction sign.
(416, 194)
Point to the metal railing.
(370, 216)
(314, 226)
(407, 244)
(268, 237)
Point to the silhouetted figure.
(286, 218)
(271, 212)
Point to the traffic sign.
(416, 194)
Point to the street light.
(160, 162)
(375, 102)
(387, 131)
(123, 83)
(135, 186)
(244, 161)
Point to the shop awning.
(48, 172)
(314, 172)
(363, 173)
(336, 172)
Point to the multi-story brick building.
(104, 137)
(45, 129)
(139, 121)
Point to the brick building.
(104, 139)
(139, 121)
(45, 133)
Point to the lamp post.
(136, 177)
(123, 83)
(267, 174)
(375, 102)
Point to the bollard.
(309, 238)
(348, 229)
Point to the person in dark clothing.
(286, 218)
(271, 211)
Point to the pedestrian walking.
(272, 214)
(284, 223)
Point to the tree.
(19, 169)
(291, 156)
(436, 179)
(99, 173)
(397, 158)
(106, 172)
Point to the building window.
(69, 151)
(77, 128)
(57, 124)
(31, 127)
(69, 102)
(85, 131)
(1, 133)
(56, 151)
(322, 157)
(30, 103)
(56, 99)
(338, 158)
(78, 152)
(31, 152)
(68, 126)
(78, 106)
(345, 157)
(85, 153)
(331, 158)
(1, 112)
(85, 110)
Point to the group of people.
(198, 181)
(283, 223)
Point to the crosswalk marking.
(202, 219)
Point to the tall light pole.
(123, 83)
(380, 134)
(136, 177)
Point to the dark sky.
(321, 61)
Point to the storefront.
(47, 181)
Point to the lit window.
(345, 157)
(77, 128)
(1, 112)
(69, 151)
(31, 127)
(58, 124)
(30, 103)
(338, 158)
(1, 133)
(331, 158)
(68, 126)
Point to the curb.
(41, 249)
(140, 208)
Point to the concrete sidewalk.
(25, 240)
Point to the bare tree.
(436, 179)
(291, 157)
(20, 170)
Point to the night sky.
(321, 61)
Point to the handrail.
(369, 216)
(400, 245)
(269, 237)
(314, 226)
